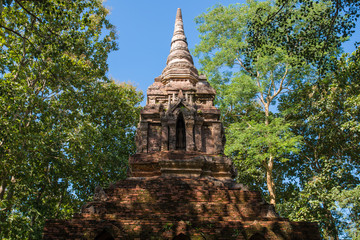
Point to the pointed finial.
(178, 14)
(179, 61)
(179, 33)
(179, 46)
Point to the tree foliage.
(251, 143)
(268, 45)
(65, 127)
(327, 115)
(258, 52)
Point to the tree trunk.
(270, 181)
(331, 228)
(270, 165)
(267, 114)
(2, 189)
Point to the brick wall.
(163, 208)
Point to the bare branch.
(271, 83)
(259, 85)
(281, 87)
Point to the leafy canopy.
(65, 127)
(258, 53)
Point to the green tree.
(265, 47)
(257, 52)
(326, 113)
(65, 127)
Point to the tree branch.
(328, 34)
(10, 30)
(276, 13)
(18, 34)
(243, 66)
(271, 82)
(259, 85)
(282, 82)
(34, 16)
(271, 17)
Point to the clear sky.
(145, 29)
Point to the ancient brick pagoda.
(180, 185)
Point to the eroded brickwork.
(164, 207)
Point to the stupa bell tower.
(180, 132)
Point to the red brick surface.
(162, 208)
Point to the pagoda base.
(178, 208)
(181, 164)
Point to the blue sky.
(145, 29)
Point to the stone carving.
(93, 208)
(99, 194)
(184, 95)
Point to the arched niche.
(257, 236)
(180, 133)
(181, 236)
(104, 235)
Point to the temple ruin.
(180, 184)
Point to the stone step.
(176, 210)
(130, 229)
(184, 195)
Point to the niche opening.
(180, 133)
(104, 235)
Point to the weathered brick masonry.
(180, 184)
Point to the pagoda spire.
(179, 61)
(179, 45)
(179, 33)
